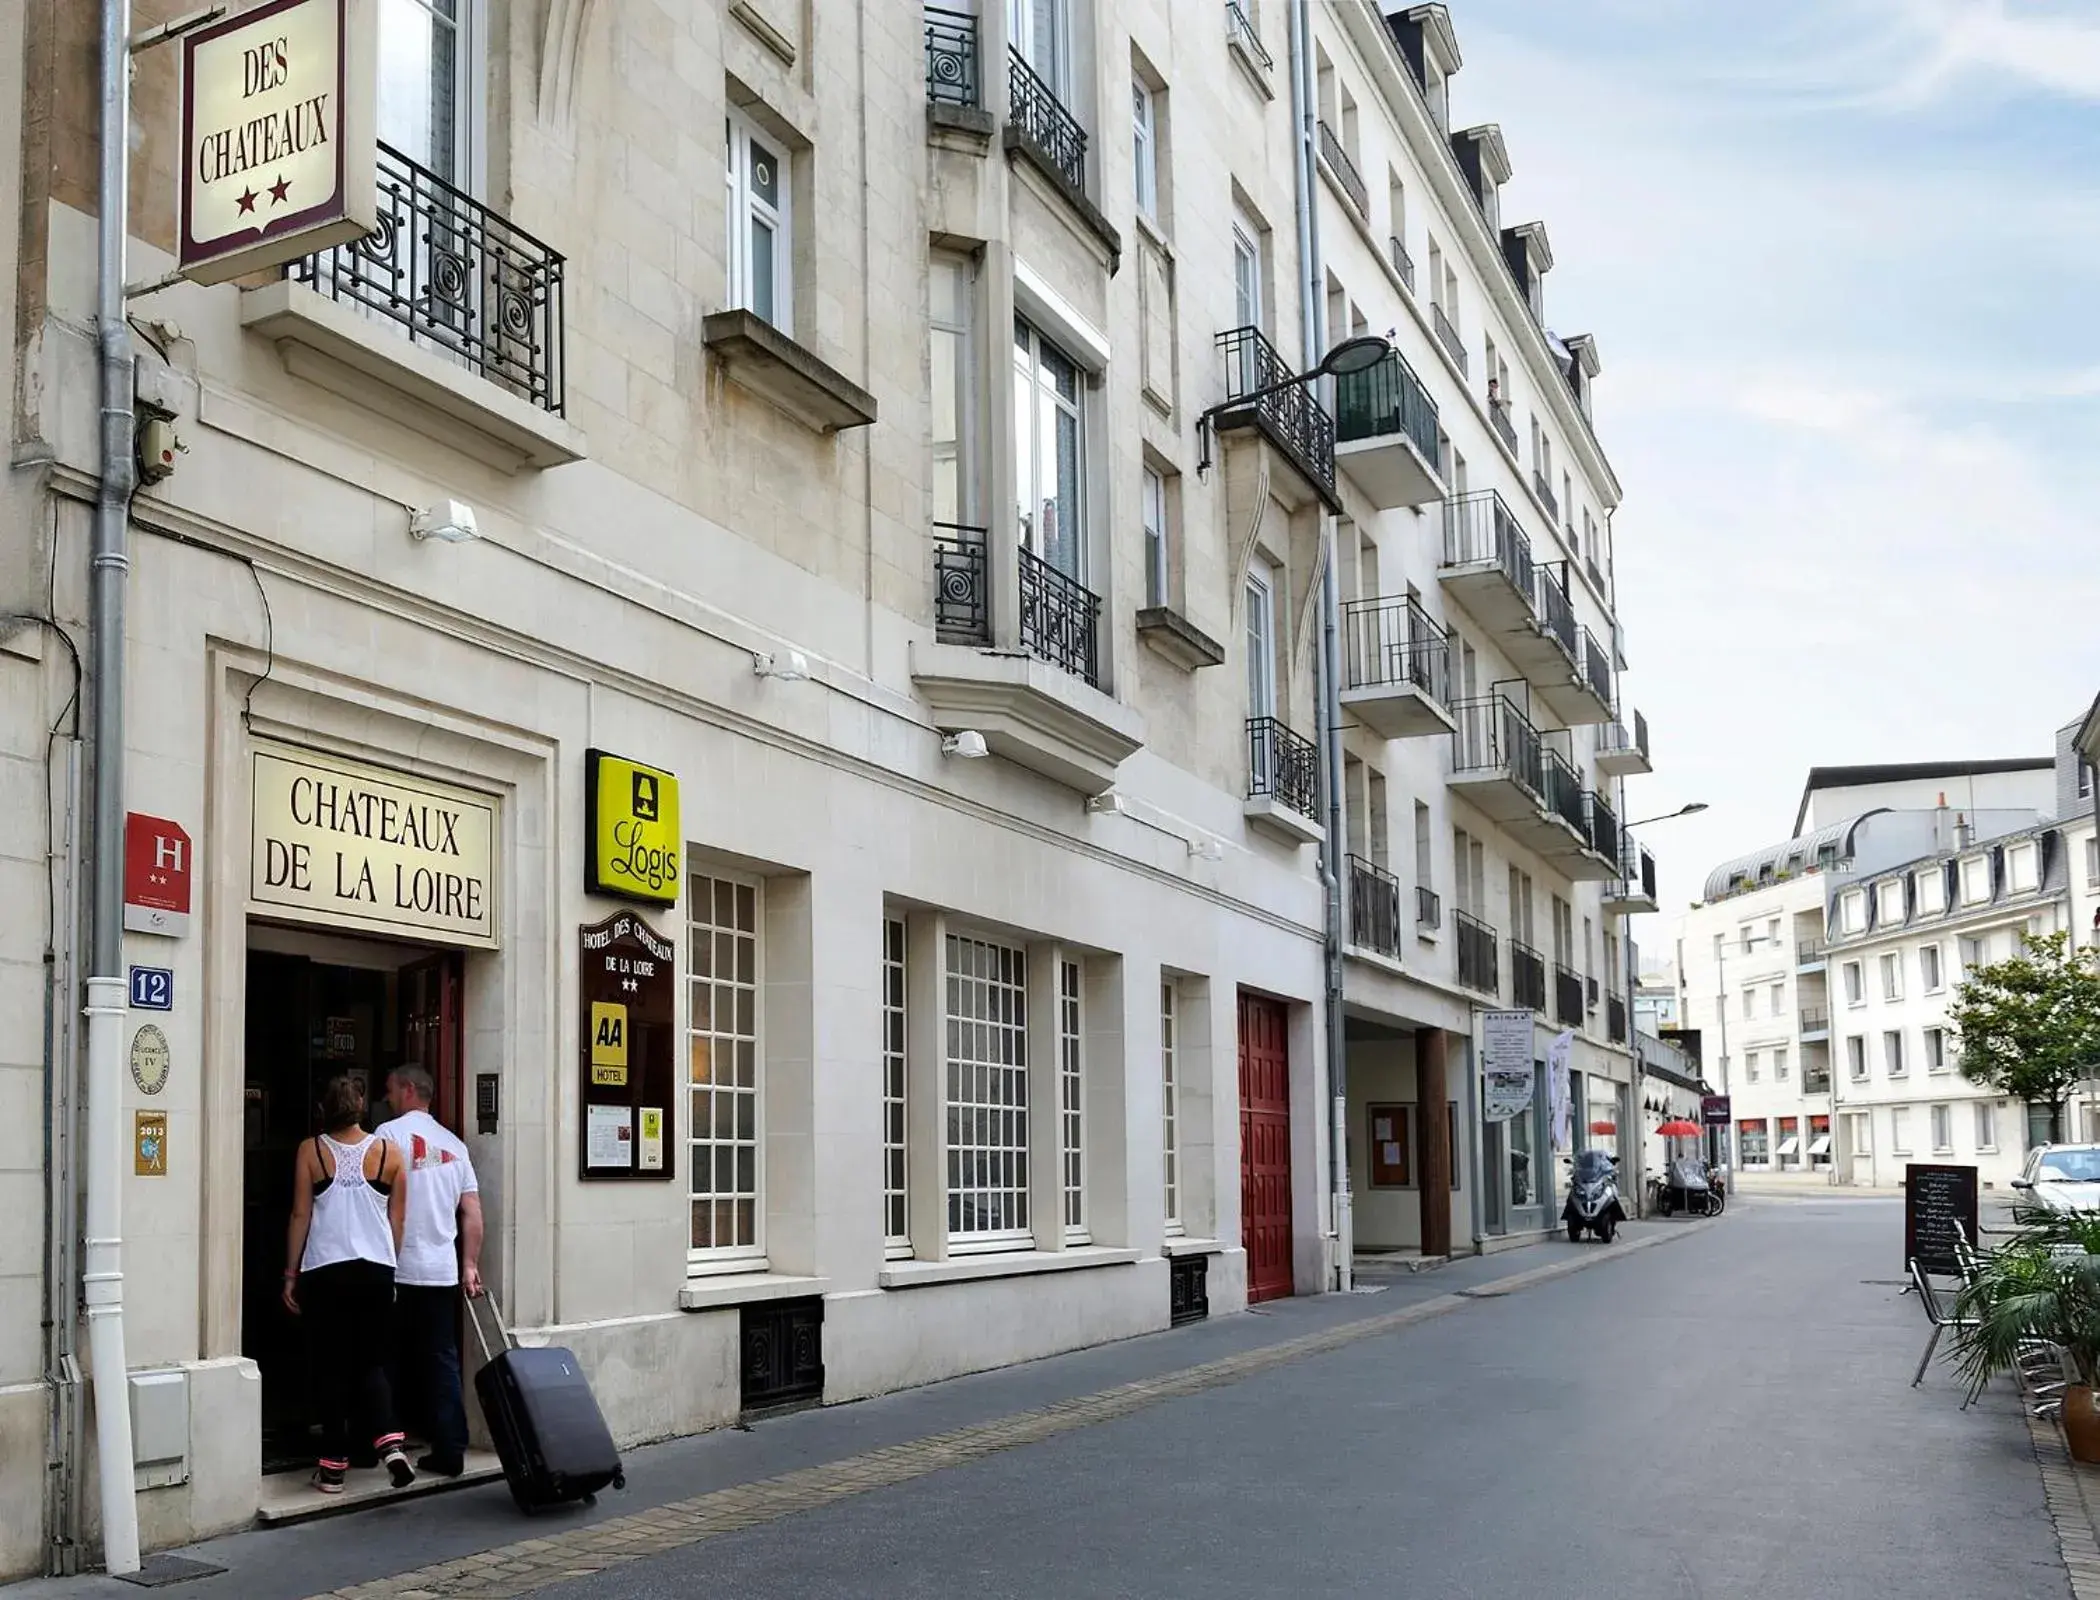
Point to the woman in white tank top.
(349, 1202)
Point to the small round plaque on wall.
(149, 1059)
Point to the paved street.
(1570, 1437)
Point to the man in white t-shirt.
(440, 1251)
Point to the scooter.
(1593, 1197)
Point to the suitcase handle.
(502, 1331)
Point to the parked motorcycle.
(1593, 1197)
(1688, 1184)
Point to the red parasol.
(1604, 1128)
(1679, 1128)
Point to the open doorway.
(318, 1007)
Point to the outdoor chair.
(1941, 1318)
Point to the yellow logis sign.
(608, 1043)
(632, 816)
(278, 146)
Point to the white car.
(2062, 1177)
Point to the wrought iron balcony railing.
(1563, 792)
(1044, 122)
(1556, 611)
(961, 588)
(1059, 619)
(1494, 737)
(1596, 668)
(1282, 765)
(1478, 954)
(1605, 835)
(1567, 996)
(1429, 908)
(1394, 641)
(1387, 398)
(1527, 976)
(1374, 908)
(1239, 26)
(1543, 488)
(1344, 169)
(1448, 335)
(456, 277)
(1292, 415)
(1615, 1019)
(951, 57)
(1505, 430)
(1403, 263)
(1480, 527)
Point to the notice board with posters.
(626, 1014)
(1939, 1210)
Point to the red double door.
(1265, 1147)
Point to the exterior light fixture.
(790, 667)
(1105, 804)
(449, 522)
(968, 745)
(1689, 809)
(1207, 849)
(1359, 354)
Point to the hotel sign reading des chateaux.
(279, 148)
(342, 845)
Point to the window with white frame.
(1975, 880)
(1930, 889)
(1972, 952)
(1942, 1129)
(1861, 1135)
(1899, 1130)
(1071, 1099)
(1750, 1066)
(1929, 973)
(986, 1094)
(1144, 137)
(1855, 985)
(1856, 1056)
(1936, 1050)
(1170, 1103)
(2092, 859)
(426, 84)
(724, 1071)
(1891, 977)
(952, 351)
(1049, 451)
(1041, 33)
(760, 247)
(1261, 640)
(2022, 867)
(1892, 1052)
(1890, 898)
(896, 1210)
(1158, 552)
(1779, 1066)
(1986, 1125)
(1852, 910)
(1778, 998)
(1749, 1004)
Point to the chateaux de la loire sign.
(347, 846)
(278, 144)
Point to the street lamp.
(1691, 808)
(1359, 354)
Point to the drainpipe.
(102, 1281)
(1311, 309)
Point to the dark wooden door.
(1265, 1147)
(434, 1030)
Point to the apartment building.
(854, 623)
(1484, 741)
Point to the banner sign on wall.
(1558, 1054)
(1507, 1065)
(279, 142)
(631, 816)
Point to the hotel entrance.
(319, 1007)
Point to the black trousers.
(348, 1309)
(426, 1366)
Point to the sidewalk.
(472, 1541)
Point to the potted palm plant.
(2041, 1287)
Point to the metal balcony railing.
(1589, 565)
(1387, 398)
(1563, 792)
(1809, 950)
(1429, 908)
(455, 276)
(1044, 122)
(1567, 996)
(1283, 765)
(1403, 263)
(1615, 1019)
(1596, 668)
(1605, 835)
(1478, 953)
(1239, 26)
(951, 57)
(1556, 611)
(1527, 976)
(1543, 488)
(1617, 737)
(961, 590)
(1815, 1080)
(1448, 335)
(1815, 1019)
(1344, 169)
(1505, 430)
(1394, 641)
(1494, 737)
(1059, 618)
(1293, 415)
(1480, 527)
(1374, 908)
(1636, 868)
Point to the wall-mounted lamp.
(1207, 849)
(1105, 804)
(449, 522)
(968, 745)
(790, 667)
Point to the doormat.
(160, 1572)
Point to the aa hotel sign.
(343, 845)
(278, 154)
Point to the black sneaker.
(330, 1479)
(398, 1469)
(441, 1466)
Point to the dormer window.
(1430, 49)
(1484, 162)
(1529, 257)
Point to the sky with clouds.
(1840, 259)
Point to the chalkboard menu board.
(625, 1011)
(1939, 1211)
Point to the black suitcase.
(547, 1428)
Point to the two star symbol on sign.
(279, 193)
